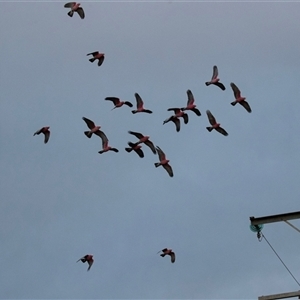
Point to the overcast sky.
(63, 200)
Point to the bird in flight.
(190, 104)
(105, 146)
(136, 147)
(118, 103)
(214, 124)
(45, 131)
(163, 161)
(87, 258)
(239, 99)
(140, 105)
(97, 55)
(215, 80)
(75, 7)
(175, 120)
(93, 128)
(180, 113)
(167, 251)
(143, 139)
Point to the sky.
(63, 200)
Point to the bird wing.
(92, 53)
(89, 123)
(80, 11)
(136, 134)
(101, 59)
(151, 146)
(168, 168)
(139, 101)
(175, 109)
(161, 155)
(215, 72)
(102, 135)
(90, 262)
(246, 105)
(139, 151)
(190, 97)
(220, 85)
(222, 131)
(130, 144)
(115, 100)
(236, 91)
(47, 135)
(176, 122)
(39, 131)
(211, 118)
(70, 4)
(185, 118)
(196, 111)
(172, 254)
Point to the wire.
(280, 259)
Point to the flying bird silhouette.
(87, 258)
(97, 55)
(180, 113)
(190, 104)
(215, 80)
(135, 147)
(45, 131)
(105, 146)
(143, 139)
(75, 7)
(239, 99)
(140, 105)
(163, 161)
(93, 128)
(214, 124)
(117, 102)
(167, 251)
(175, 120)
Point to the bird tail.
(209, 128)
(233, 103)
(88, 134)
(134, 111)
(128, 149)
(100, 152)
(70, 13)
(156, 165)
(207, 83)
(92, 59)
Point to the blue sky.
(63, 200)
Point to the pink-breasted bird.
(45, 131)
(93, 128)
(180, 113)
(214, 124)
(239, 99)
(163, 161)
(87, 258)
(143, 139)
(97, 55)
(140, 105)
(118, 103)
(190, 104)
(105, 146)
(215, 80)
(135, 147)
(75, 7)
(167, 251)
(175, 120)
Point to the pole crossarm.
(275, 218)
(280, 296)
